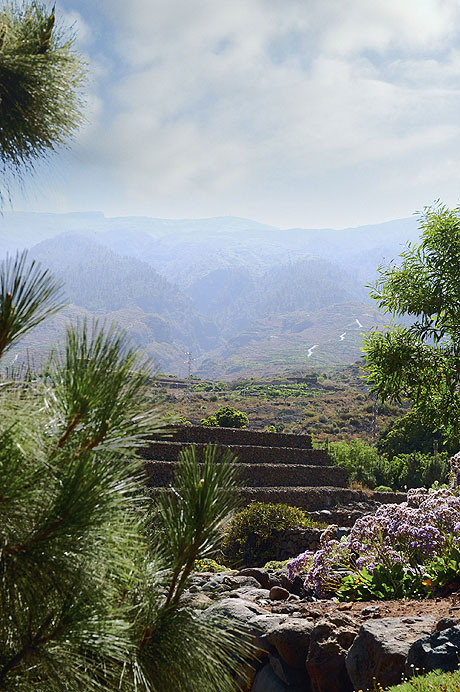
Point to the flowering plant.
(390, 552)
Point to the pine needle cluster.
(92, 580)
(41, 77)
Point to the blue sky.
(309, 113)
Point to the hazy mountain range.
(243, 297)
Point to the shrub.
(209, 565)
(402, 551)
(275, 565)
(227, 417)
(249, 538)
(365, 466)
(383, 489)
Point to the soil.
(437, 607)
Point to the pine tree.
(91, 579)
(41, 79)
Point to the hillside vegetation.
(244, 298)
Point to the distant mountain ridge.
(222, 288)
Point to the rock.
(371, 612)
(294, 677)
(249, 593)
(292, 641)
(239, 615)
(197, 600)
(238, 581)
(446, 623)
(277, 593)
(330, 640)
(438, 651)
(286, 607)
(261, 575)
(381, 647)
(266, 680)
(285, 582)
(293, 598)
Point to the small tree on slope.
(421, 362)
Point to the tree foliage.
(421, 362)
(227, 417)
(91, 592)
(40, 85)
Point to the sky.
(295, 113)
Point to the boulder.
(381, 648)
(262, 576)
(446, 623)
(438, 651)
(267, 680)
(330, 640)
(294, 677)
(291, 640)
(277, 593)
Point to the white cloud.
(220, 100)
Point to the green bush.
(433, 682)
(383, 489)
(249, 537)
(226, 417)
(364, 465)
(209, 565)
(276, 565)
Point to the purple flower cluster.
(410, 533)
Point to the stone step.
(307, 498)
(169, 451)
(236, 436)
(318, 498)
(161, 473)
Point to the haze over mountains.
(243, 297)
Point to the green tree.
(40, 86)
(409, 434)
(91, 593)
(227, 417)
(420, 362)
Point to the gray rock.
(277, 593)
(446, 623)
(266, 680)
(292, 641)
(330, 640)
(371, 612)
(381, 647)
(249, 593)
(294, 677)
(260, 574)
(438, 651)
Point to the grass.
(433, 682)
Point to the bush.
(403, 551)
(249, 538)
(383, 489)
(409, 434)
(209, 565)
(365, 466)
(226, 417)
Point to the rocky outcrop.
(296, 648)
(330, 640)
(380, 650)
(438, 651)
